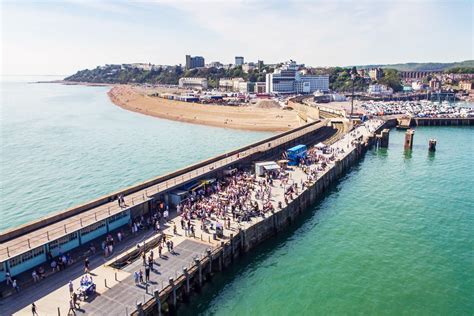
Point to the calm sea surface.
(64, 145)
(394, 237)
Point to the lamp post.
(352, 99)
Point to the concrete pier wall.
(189, 283)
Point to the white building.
(417, 85)
(231, 84)
(288, 80)
(379, 89)
(194, 83)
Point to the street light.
(352, 99)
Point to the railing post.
(140, 308)
(209, 254)
(173, 299)
(198, 263)
(156, 293)
(186, 275)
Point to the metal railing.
(103, 212)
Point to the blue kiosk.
(296, 153)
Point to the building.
(231, 84)
(239, 60)
(379, 89)
(288, 80)
(194, 62)
(214, 64)
(193, 83)
(361, 73)
(465, 85)
(417, 85)
(260, 65)
(375, 73)
(248, 67)
(260, 88)
(435, 84)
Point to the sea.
(395, 236)
(62, 145)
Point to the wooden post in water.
(432, 145)
(409, 139)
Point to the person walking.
(34, 311)
(160, 250)
(140, 276)
(71, 308)
(75, 300)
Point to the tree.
(391, 78)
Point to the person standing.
(150, 262)
(15, 286)
(136, 276)
(33, 309)
(71, 288)
(147, 274)
(86, 265)
(160, 250)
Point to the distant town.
(244, 80)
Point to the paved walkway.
(121, 296)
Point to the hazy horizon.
(59, 38)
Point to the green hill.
(467, 64)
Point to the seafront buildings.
(288, 80)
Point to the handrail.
(109, 209)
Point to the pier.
(195, 258)
(75, 230)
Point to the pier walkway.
(12, 247)
(119, 293)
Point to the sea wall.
(191, 280)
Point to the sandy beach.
(246, 117)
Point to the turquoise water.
(394, 237)
(64, 145)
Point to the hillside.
(425, 66)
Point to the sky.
(61, 37)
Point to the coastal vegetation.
(123, 74)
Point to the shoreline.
(243, 118)
(76, 83)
